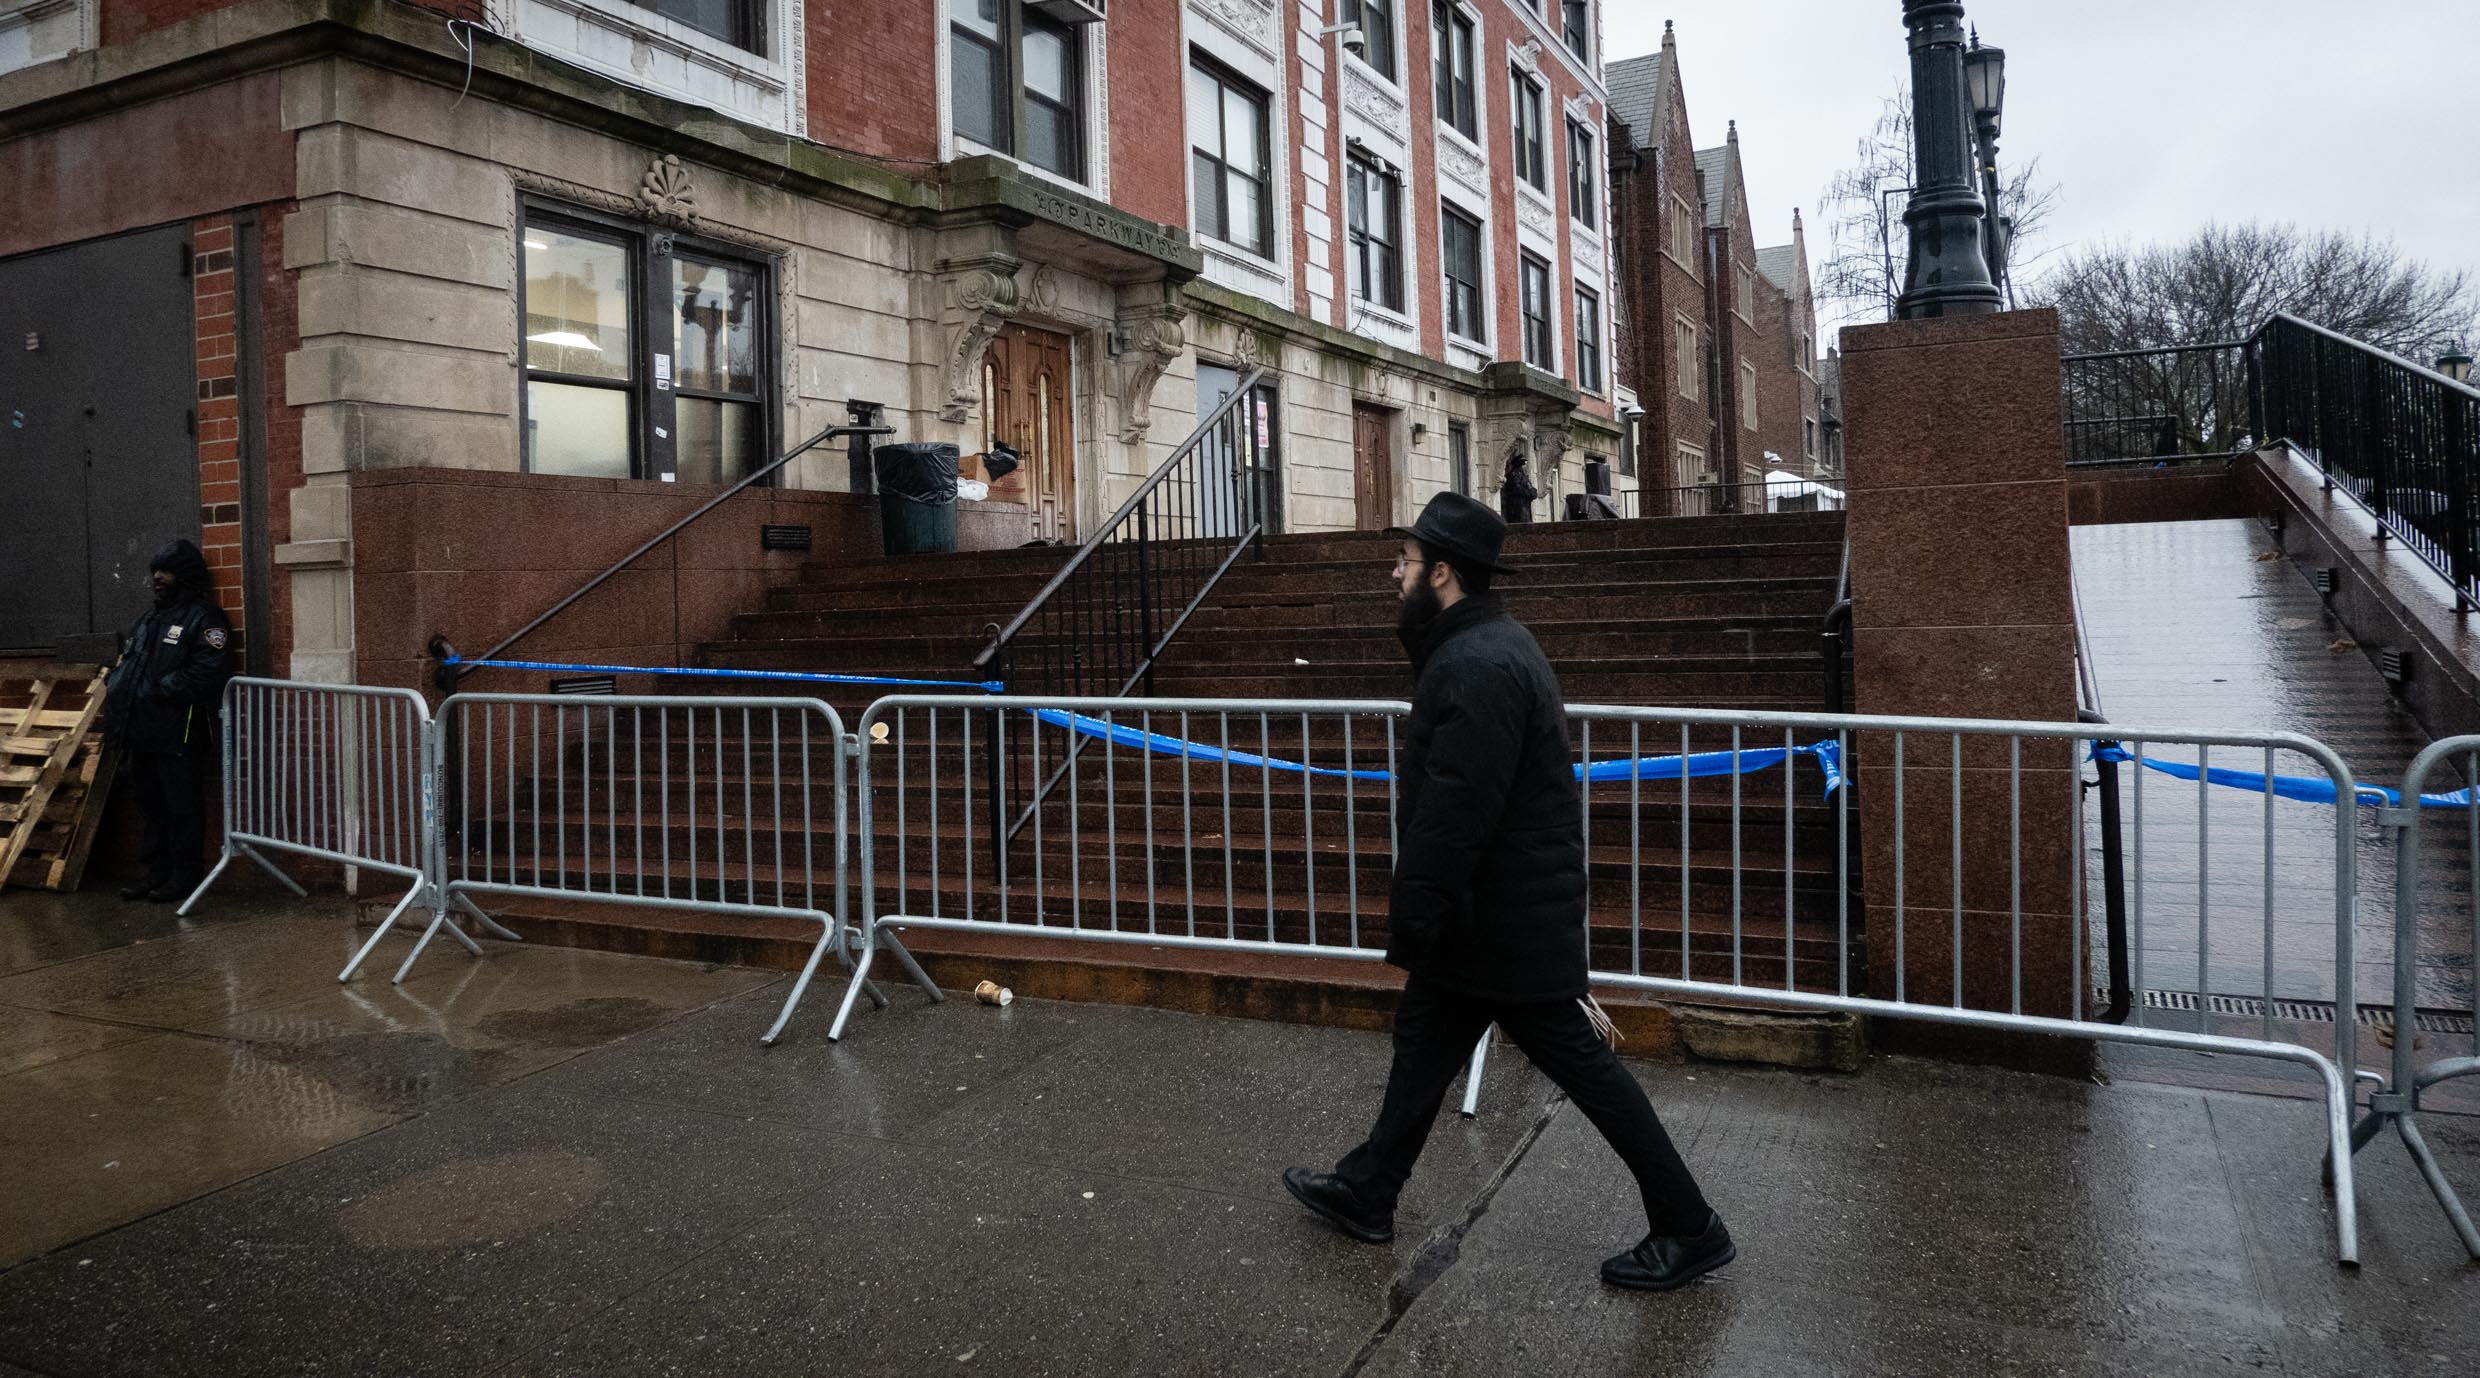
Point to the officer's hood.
(187, 567)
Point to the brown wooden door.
(1025, 402)
(1373, 467)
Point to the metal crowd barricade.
(2397, 1103)
(1758, 906)
(723, 805)
(1278, 815)
(335, 772)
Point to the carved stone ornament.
(1151, 343)
(1375, 102)
(1042, 293)
(1533, 215)
(1248, 351)
(986, 297)
(1253, 20)
(664, 192)
(1457, 162)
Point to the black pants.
(1435, 1032)
(171, 791)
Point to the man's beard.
(1414, 615)
(167, 594)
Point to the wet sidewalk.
(559, 1163)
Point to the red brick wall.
(873, 79)
(1660, 289)
(1736, 339)
(212, 273)
(1149, 75)
(279, 334)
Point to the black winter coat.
(165, 693)
(1489, 888)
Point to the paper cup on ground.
(992, 993)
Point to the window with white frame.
(1627, 446)
(646, 354)
(1808, 437)
(741, 23)
(1582, 202)
(1018, 79)
(1576, 27)
(1232, 156)
(1459, 244)
(1747, 298)
(1692, 470)
(1373, 204)
(1377, 21)
(1451, 67)
(1747, 394)
(1533, 288)
(1683, 233)
(1588, 340)
(1459, 457)
(1531, 162)
(1684, 361)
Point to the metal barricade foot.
(800, 986)
(2338, 1129)
(490, 926)
(439, 920)
(270, 868)
(2437, 1184)
(186, 905)
(1472, 1082)
(904, 958)
(382, 931)
(852, 992)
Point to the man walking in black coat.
(160, 706)
(1487, 911)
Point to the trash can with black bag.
(916, 497)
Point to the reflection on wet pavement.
(144, 1060)
(2202, 624)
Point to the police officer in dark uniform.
(160, 707)
(1487, 908)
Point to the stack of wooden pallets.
(54, 772)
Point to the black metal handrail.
(2143, 406)
(2401, 439)
(453, 668)
(1098, 626)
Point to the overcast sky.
(2151, 115)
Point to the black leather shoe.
(1333, 1198)
(143, 889)
(172, 891)
(1661, 1262)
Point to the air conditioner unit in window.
(1070, 11)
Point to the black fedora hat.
(1468, 531)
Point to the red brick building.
(1719, 349)
(421, 311)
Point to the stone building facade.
(566, 266)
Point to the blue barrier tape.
(988, 686)
(1705, 763)
(2307, 789)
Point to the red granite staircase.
(1718, 612)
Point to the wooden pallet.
(54, 773)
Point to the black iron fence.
(2402, 439)
(2142, 406)
(1098, 626)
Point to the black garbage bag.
(924, 471)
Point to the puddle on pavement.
(577, 1024)
(475, 1201)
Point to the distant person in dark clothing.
(1487, 908)
(1516, 493)
(160, 709)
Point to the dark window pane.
(715, 336)
(734, 21)
(1209, 180)
(1377, 21)
(718, 440)
(1050, 139)
(981, 90)
(1576, 22)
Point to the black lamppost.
(1984, 75)
(1949, 270)
(2455, 363)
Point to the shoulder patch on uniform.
(215, 637)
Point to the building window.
(1581, 202)
(1692, 470)
(1588, 340)
(1459, 239)
(1576, 26)
(1234, 169)
(1373, 200)
(682, 398)
(1806, 357)
(1685, 360)
(1533, 278)
(1451, 62)
(1530, 161)
(1459, 457)
(741, 23)
(1683, 233)
(1019, 79)
(1747, 292)
(1377, 21)
(1747, 394)
(1627, 446)
(1808, 438)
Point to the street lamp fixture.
(2455, 363)
(1984, 78)
(1949, 273)
(1984, 72)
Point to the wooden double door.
(1373, 467)
(1026, 402)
